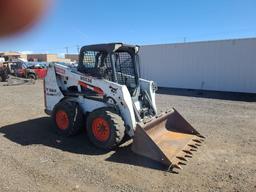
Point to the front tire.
(68, 118)
(105, 128)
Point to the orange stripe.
(82, 84)
(96, 89)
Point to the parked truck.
(26, 70)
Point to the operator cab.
(115, 62)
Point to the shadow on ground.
(41, 131)
(247, 97)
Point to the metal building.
(225, 65)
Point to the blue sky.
(70, 23)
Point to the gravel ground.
(34, 158)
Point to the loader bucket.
(167, 138)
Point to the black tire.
(4, 78)
(32, 76)
(115, 124)
(74, 116)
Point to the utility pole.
(78, 48)
(66, 49)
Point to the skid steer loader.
(105, 95)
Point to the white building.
(226, 65)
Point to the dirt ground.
(34, 158)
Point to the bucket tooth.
(196, 140)
(182, 163)
(188, 156)
(181, 158)
(197, 144)
(192, 150)
(177, 166)
(201, 136)
(187, 151)
(193, 146)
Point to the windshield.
(24, 65)
(125, 69)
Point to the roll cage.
(115, 62)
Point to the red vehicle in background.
(28, 70)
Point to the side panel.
(126, 108)
(52, 92)
(89, 105)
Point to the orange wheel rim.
(62, 120)
(100, 129)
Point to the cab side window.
(90, 59)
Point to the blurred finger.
(19, 15)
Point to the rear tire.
(68, 118)
(3, 77)
(105, 128)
